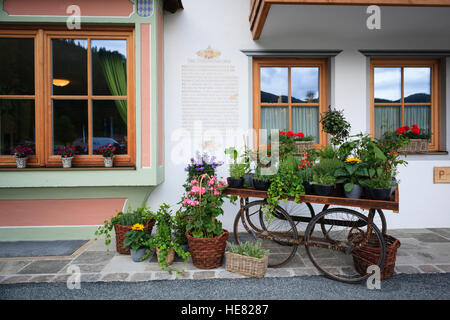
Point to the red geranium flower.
(416, 130)
(400, 130)
(406, 128)
(282, 133)
(290, 134)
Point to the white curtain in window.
(275, 118)
(387, 118)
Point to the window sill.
(66, 169)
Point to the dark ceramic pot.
(355, 193)
(248, 179)
(308, 187)
(235, 183)
(379, 194)
(322, 190)
(261, 185)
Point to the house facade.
(161, 86)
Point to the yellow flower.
(138, 226)
(352, 160)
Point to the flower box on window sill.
(416, 145)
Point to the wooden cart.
(336, 239)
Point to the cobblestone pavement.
(421, 251)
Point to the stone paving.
(421, 251)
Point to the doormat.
(15, 249)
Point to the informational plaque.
(441, 175)
(209, 94)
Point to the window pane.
(387, 118)
(70, 125)
(305, 85)
(110, 125)
(274, 85)
(275, 118)
(16, 124)
(306, 120)
(417, 85)
(388, 85)
(69, 72)
(17, 66)
(109, 67)
(420, 115)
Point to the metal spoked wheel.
(340, 251)
(275, 230)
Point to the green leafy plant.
(131, 217)
(379, 183)
(181, 220)
(237, 168)
(352, 172)
(163, 240)
(249, 249)
(323, 172)
(136, 238)
(333, 122)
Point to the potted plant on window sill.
(302, 142)
(136, 240)
(21, 153)
(203, 202)
(247, 258)
(418, 139)
(108, 154)
(67, 153)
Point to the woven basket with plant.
(247, 258)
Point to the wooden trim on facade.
(259, 9)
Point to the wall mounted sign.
(441, 175)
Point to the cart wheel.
(336, 250)
(275, 234)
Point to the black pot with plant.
(378, 188)
(260, 181)
(324, 180)
(237, 170)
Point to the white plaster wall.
(225, 26)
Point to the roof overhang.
(172, 5)
(259, 9)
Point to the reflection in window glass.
(305, 85)
(274, 85)
(69, 67)
(109, 67)
(387, 118)
(17, 66)
(388, 85)
(417, 85)
(70, 125)
(17, 126)
(110, 125)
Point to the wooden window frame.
(43, 87)
(434, 64)
(321, 63)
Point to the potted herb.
(237, 169)
(203, 202)
(418, 139)
(21, 153)
(163, 241)
(67, 153)
(324, 179)
(122, 223)
(351, 174)
(135, 240)
(379, 188)
(247, 258)
(108, 154)
(260, 181)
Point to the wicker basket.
(247, 266)
(303, 145)
(416, 145)
(370, 253)
(121, 230)
(207, 253)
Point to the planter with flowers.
(108, 154)
(67, 153)
(21, 153)
(418, 139)
(135, 240)
(303, 142)
(352, 172)
(203, 202)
